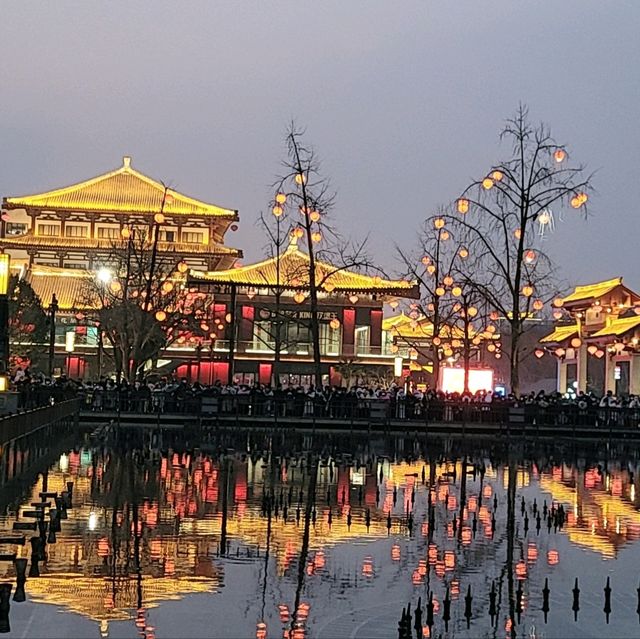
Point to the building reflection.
(150, 526)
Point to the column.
(582, 359)
(348, 330)
(634, 375)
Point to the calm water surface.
(294, 536)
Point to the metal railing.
(348, 408)
(12, 426)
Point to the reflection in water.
(334, 537)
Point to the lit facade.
(596, 339)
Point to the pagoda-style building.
(597, 339)
(62, 238)
(254, 299)
(77, 227)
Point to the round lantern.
(335, 323)
(316, 236)
(558, 302)
(158, 218)
(527, 290)
(487, 183)
(167, 287)
(183, 267)
(426, 260)
(463, 253)
(281, 198)
(530, 256)
(277, 210)
(599, 353)
(300, 178)
(444, 236)
(298, 232)
(456, 291)
(440, 291)
(538, 305)
(439, 223)
(559, 155)
(473, 311)
(497, 176)
(560, 352)
(448, 280)
(299, 297)
(491, 348)
(315, 216)
(431, 269)
(436, 341)
(161, 316)
(576, 342)
(463, 205)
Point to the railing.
(12, 426)
(347, 408)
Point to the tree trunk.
(514, 358)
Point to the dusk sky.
(402, 101)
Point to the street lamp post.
(53, 309)
(4, 313)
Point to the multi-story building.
(597, 339)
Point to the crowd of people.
(172, 395)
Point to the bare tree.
(504, 216)
(302, 191)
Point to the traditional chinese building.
(596, 339)
(267, 299)
(63, 237)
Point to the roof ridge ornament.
(126, 162)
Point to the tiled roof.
(294, 275)
(71, 286)
(55, 242)
(559, 334)
(618, 326)
(123, 190)
(592, 291)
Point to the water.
(142, 552)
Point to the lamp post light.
(4, 313)
(53, 309)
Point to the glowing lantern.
(237, 264)
(538, 305)
(527, 290)
(558, 302)
(560, 352)
(183, 267)
(557, 315)
(463, 253)
(498, 355)
(487, 183)
(228, 318)
(115, 286)
(553, 557)
(576, 342)
(559, 155)
(491, 348)
(521, 570)
(440, 291)
(315, 216)
(161, 316)
(125, 233)
(539, 353)
(456, 343)
(158, 218)
(167, 287)
(431, 269)
(448, 280)
(439, 223)
(599, 353)
(426, 260)
(298, 232)
(592, 350)
(497, 176)
(300, 178)
(329, 286)
(436, 341)
(277, 210)
(456, 291)
(353, 299)
(444, 236)
(299, 297)
(463, 205)
(473, 311)
(335, 323)
(448, 352)
(393, 304)
(476, 340)
(494, 316)
(530, 256)
(281, 198)
(518, 234)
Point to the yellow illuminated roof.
(592, 291)
(294, 275)
(123, 190)
(559, 334)
(52, 241)
(69, 286)
(619, 326)
(403, 326)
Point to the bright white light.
(397, 366)
(93, 521)
(452, 379)
(104, 275)
(64, 463)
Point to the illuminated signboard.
(452, 379)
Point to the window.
(362, 339)
(167, 236)
(16, 228)
(74, 230)
(49, 229)
(192, 237)
(108, 232)
(329, 340)
(263, 336)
